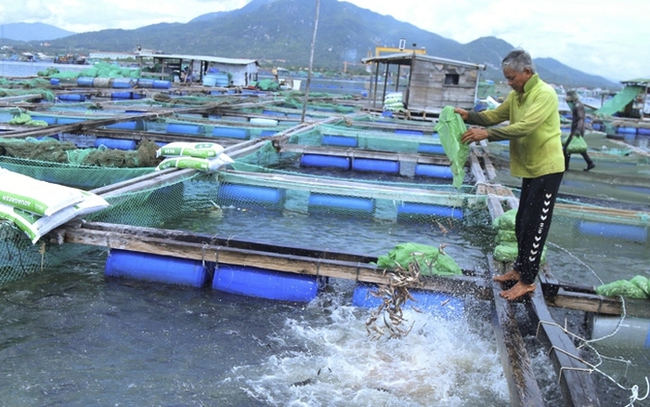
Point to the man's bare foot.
(517, 291)
(512, 275)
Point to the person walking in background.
(535, 155)
(577, 129)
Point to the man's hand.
(462, 112)
(475, 134)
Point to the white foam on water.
(439, 362)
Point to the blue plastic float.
(261, 283)
(235, 193)
(321, 160)
(613, 230)
(182, 128)
(413, 208)
(435, 171)
(325, 201)
(117, 144)
(230, 132)
(436, 303)
(375, 165)
(431, 149)
(333, 140)
(153, 267)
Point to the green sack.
(577, 145)
(506, 221)
(450, 128)
(504, 235)
(643, 283)
(430, 259)
(623, 288)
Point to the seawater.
(72, 337)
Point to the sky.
(606, 38)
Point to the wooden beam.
(359, 153)
(517, 367)
(206, 250)
(574, 375)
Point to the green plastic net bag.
(577, 145)
(625, 288)
(450, 128)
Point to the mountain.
(279, 33)
(33, 32)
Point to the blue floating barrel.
(644, 131)
(409, 132)
(159, 84)
(613, 230)
(374, 165)
(633, 333)
(262, 283)
(153, 267)
(122, 95)
(344, 141)
(55, 82)
(123, 83)
(229, 193)
(230, 132)
(117, 144)
(325, 201)
(74, 97)
(85, 81)
(321, 160)
(626, 130)
(436, 171)
(47, 119)
(263, 121)
(182, 128)
(413, 208)
(267, 133)
(438, 304)
(431, 149)
(145, 83)
(597, 126)
(69, 120)
(132, 125)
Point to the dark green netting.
(450, 128)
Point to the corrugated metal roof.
(405, 58)
(219, 60)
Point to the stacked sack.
(199, 156)
(637, 287)
(36, 207)
(506, 240)
(393, 102)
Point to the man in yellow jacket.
(536, 156)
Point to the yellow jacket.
(534, 129)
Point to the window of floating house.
(452, 78)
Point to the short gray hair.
(518, 60)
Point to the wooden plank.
(475, 166)
(574, 376)
(204, 251)
(517, 367)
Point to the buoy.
(47, 119)
(132, 125)
(632, 333)
(374, 165)
(69, 120)
(122, 95)
(262, 283)
(145, 83)
(72, 97)
(613, 230)
(413, 208)
(435, 303)
(181, 128)
(85, 81)
(230, 132)
(626, 130)
(321, 160)
(236, 193)
(263, 122)
(153, 267)
(409, 132)
(644, 131)
(116, 144)
(158, 84)
(324, 201)
(333, 140)
(431, 149)
(435, 171)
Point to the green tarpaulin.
(619, 101)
